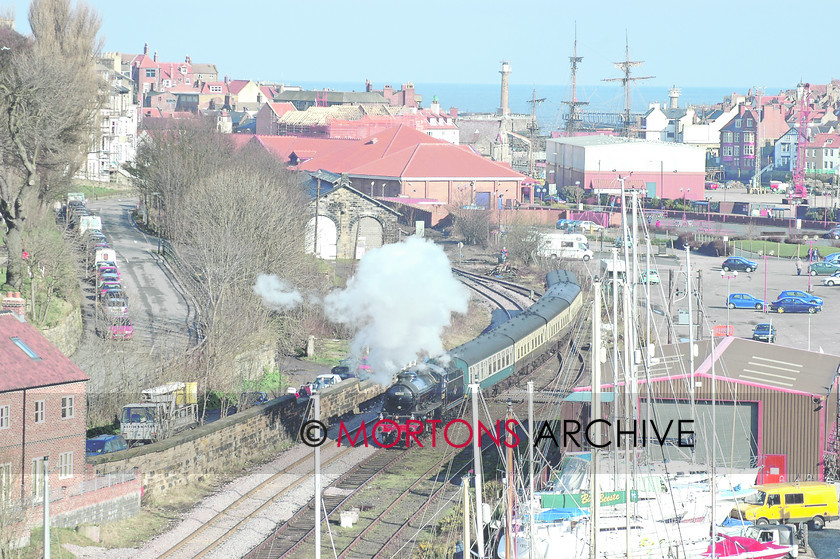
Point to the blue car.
(834, 258)
(794, 304)
(744, 301)
(104, 444)
(801, 295)
(739, 263)
(562, 223)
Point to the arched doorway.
(327, 237)
(367, 235)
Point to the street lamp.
(728, 279)
(762, 253)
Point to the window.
(26, 349)
(749, 137)
(68, 408)
(150, 72)
(4, 417)
(38, 478)
(736, 150)
(738, 123)
(748, 149)
(749, 122)
(773, 500)
(727, 137)
(736, 137)
(215, 89)
(187, 81)
(794, 499)
(65, 465)
(727, 151)
(39, 411)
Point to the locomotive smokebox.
(398, 399)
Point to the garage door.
(737, 431)
(327, 237)
(368, 235)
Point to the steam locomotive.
(436, 389)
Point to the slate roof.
(345, 97)
(20, 371)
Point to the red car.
(710, 185)
(121, 329)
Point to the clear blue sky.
(713, 43)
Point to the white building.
(657, 169)
(115, 142)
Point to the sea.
(604, 98)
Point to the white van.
(569, 246)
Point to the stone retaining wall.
(227, 444)
(68, 333)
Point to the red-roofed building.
(43, 415)
(269, 115)
(293, 150)
(403, 161)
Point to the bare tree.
(470, 222)
(522, 241)
(49, 95)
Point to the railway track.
(521, 289)
(482, 287)
(288, 538)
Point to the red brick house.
(43, 415)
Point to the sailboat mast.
(509, 479)
(595, 488)
(479, 520)
(615, 356)
(532, 528)
(714, 453)
(690, 336)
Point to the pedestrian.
(798, 267)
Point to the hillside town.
(211, 280)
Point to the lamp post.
(762, 253)
(728, 279)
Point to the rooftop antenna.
(625, 67)
(574, 113)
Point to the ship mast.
(574, 113)
(626, 66)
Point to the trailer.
(162, 411)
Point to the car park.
(744, 301)
(105, 444)
(823, 268)
(802, 295)
(794, 304)
(650, 276)
(832, 280)
(764, 332)
(739, 263)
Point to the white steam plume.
(401, 298)
(276, 293)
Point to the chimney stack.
(188, 60)
(146, 49)
(504, 109)
(15, 303)
(155, 57)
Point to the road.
(159, 309)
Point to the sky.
(713, 43)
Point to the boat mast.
(615, 356)
(714, 452)
(627, 356)
(531, 527)
(595, 488)
(690, 337)
(479, 520)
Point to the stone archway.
(327, 237)
(367, 234)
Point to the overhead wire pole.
(626, 67)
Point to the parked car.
(794, 304)
(589, 226)
(107, 286)
(739, 263)
(832, 280)
(555, 199)
(834, 233)
(104, 278)
(823, 268)
(834, 258)
(650, 276)
(801, 295)
(711, 185)
(561, 223)
(744, 301)
(764, 332)
(618, 244)
(121, 328)
(104, 444)
(114, 304)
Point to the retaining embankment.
(227, 444)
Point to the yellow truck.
(810, 501)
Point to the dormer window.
(215, 89)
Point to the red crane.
(799, 191)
